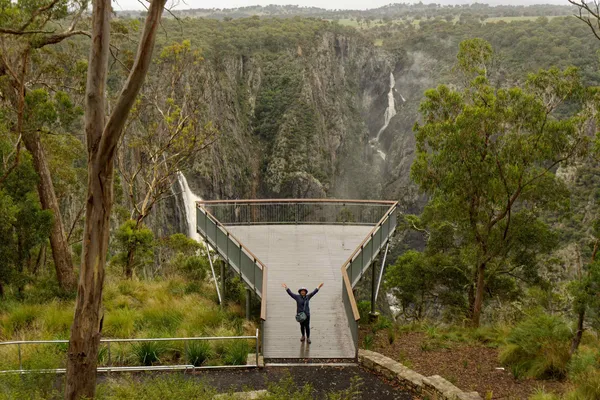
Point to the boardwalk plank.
(304, 255)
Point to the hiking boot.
(302, 339)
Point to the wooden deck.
(304, 255)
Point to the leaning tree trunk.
(579, 334)
(479, 292)
(129, 263)
(61, 253)
(102, 140)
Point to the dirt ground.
(323, 380)
(469, 366)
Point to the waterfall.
(390, 111)
(189, 200)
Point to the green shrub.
(352, 393)
(236, 352)
(153, 387)
(584, 371)
(286, 389)
(538, 348)
(195, 268)
(364, 308)
(20, 319)
(588, 385)
(489, 336)
(583, 361)
(44, 356)
(162, 316)
(197, 352)
(119, 323)
(542, 395)
(193, 287)
(57, 319)
(148, 353)
(29, 386)
(201, 318)
(382, 323)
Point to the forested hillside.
(481, 121)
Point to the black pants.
(305, 326)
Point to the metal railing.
(297, 211)
(238, 256)
(110, 368)
(213, 217)
(354, 268)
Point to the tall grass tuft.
(236, 352)
(538, 348)
(20, 319)
(540, 394)
(584, 371)
(166, 317)
(119, 323)
(382, 323)
(56, 320)
(198, 352)
(148, 353)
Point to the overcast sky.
(330, 4)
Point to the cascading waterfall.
(189, 200)
(390, 112)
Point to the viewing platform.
(301, 243)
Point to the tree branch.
(37, 12)
(112, 131)
(592, 14)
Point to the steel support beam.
(223, 280)
(248, 298)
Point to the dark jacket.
(301, 300)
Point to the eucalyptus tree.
(26, 29)
(165, 133)
(486, 156)
(102, 135)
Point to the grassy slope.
(162, 308)
(470, 359)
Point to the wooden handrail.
(263, 299)
(386, 215)
(344, 268)
(267, 201)
(218, 223)
(348, 286)
(346, 278)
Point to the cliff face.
(296, 123)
